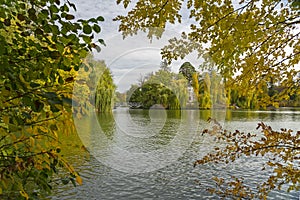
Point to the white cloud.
(129, 58)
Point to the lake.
(141, 154)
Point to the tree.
(120, 98)
(187, 70)
(195, 84)
(105, 92)
(164, 66)
(162, 87)
(206, 96)
(174, 82)
(255, 34)
(42, 47)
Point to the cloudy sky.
(133, 57)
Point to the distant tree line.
(210, 90)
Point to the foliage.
(209, 90)
(42, 48)
(165, 66)
(148, 15)
(120, 98)
(150, 94)
(94, 88)
(105, 91)
(162, 87)
(281, 152)
(187, 70)
(235, 38)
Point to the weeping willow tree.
(105, 89)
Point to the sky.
(132, 57)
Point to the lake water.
(139, 154)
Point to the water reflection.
(167, 143)
(278, 115)
(107, 124)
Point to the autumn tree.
(255, 34)
(94, 87)
(42, 47)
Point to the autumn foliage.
(280, 151)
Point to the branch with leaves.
(281, 150)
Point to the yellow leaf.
(5, 119)
(31, 141)
(43, 129)
(17, 159)
(24, 194)
(22, 79)
(79, 180)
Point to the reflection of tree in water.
(107, 124)
(164, 133)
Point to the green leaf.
(101, 41)
(53, 108)
(64, 8)
(55, 29)
(2, 15)
(73, 181)
(72, 5)
(69, 17)
(13, 128)
(60, 47)
(60, 80)
(87, 29)
(27, 101)
(100, 18)
(76, 67)
(31, 13)
(96, 28)
(38, 31)
(92, 20)
(37, 106)
(54, 9)
(86, 39)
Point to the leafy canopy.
(250, 43)
(42, 47)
